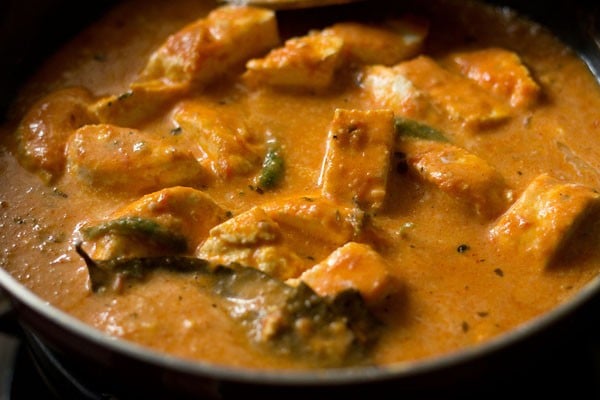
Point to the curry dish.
(310, 189)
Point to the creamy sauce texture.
(471, 255)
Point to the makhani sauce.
(441, 158)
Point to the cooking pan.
(536, 356)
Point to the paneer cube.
(388, 43)
(181, 212)
(254, 240)
(358, 155)
(219, 138)
(129, 160)
(387, 87)
(543, 218)
(461, 98)
(188, 211)
(192, 57)
(44, 130)
(207, 48)
(307, 62)
(353, 266)
(500, 71)
(314, 217)
(140, 104)
(285, 237)
(459, 173)
(314, 226)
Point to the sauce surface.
(487, 226)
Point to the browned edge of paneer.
(543, 218)
(358, 156)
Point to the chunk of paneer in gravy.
(433, 164)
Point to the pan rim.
(337, 376)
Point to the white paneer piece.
(186, 210)
(218, 137)
(353, 266)
(461, 99)
(500, 71)
(254, 240)
(307, 62)
(139, 104)
(192, 57)
(283, 238)
(387, 87)
(315, 217)
(543, 218)
(315, 226)
(358, 156)
(459, 173)
(182, 211)
(209, 47)
(387, 43)
(45, 129)
(130, 160)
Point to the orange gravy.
(457, 288)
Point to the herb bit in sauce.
(291, 320)
(272, 168)
(417, 130)
(142, 228)
(463, 248)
